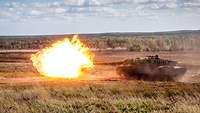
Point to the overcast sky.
(22, 17)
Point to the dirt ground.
(100, 90)
(189, 60)
(16, 67)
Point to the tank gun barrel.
(109, 63)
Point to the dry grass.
(45, 95)
(94, 96)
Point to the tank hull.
(151, 72)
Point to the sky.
(45, 17)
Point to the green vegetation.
(131, 42)
(99, 97)
(148, 44)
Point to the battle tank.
(151, 68)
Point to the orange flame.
(64, 59)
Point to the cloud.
(191, 4)
(74, 8)
(96, 2)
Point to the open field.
(24, 90)
(99, 56)
(99, 96)
(18, 64)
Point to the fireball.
(63, 59)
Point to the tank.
(151, 68)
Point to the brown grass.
(43, 95)
(94, 96)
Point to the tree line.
(139, 43)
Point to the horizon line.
(96, 33)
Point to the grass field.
(99, 96)
(23, 90)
